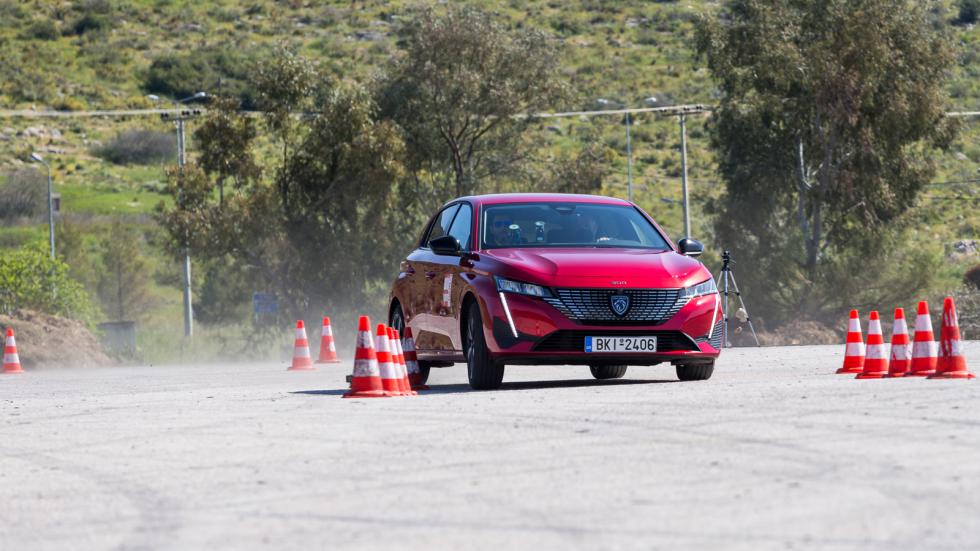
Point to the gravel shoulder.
(774, 452)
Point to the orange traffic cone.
(301, 350)
(412, 361)
(11, 361)
(399, 354)
(875, 360)
(328, 351)
(366, 380)
(901, 357)
(854, 349)
(386, 364)
(923, 345)
(952, 362)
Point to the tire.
(608, 371)
(397, 322)
(483, 372)
(695, 372)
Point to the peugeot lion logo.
(620, 304)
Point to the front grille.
(715, 339)
(574, 341)
(592, 306)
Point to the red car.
(555, 279)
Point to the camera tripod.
(724, 277)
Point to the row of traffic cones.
(918, 358)
(386, 365)
(382, 368)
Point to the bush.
(969, 12)
(23, 194)
(42, 29)
(139, 147)
(94, 16)
(31, 279)
(972, 277)
(91, 22)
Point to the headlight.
(704, 288)
(521, 288)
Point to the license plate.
(621, 344)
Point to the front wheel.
(695, 372)
(483, 372)
(608, 371)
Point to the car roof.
(504, 198)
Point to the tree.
(320, 227)
(226, 139)
(458, 89)
(829, 113)
(123, 283)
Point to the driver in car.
(503, 231)
(596, 233)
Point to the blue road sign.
(264, 303)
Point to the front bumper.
(546, 336)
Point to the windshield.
(567, 225)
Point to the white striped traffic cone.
(924, 357)
(412, 361)
(11, 361)
(301, 350)
(854, 349)
(386, 365)
(328, 351)
(901, 357)
(875, 359)
(396, 344)
(365, 382)
(952, 362)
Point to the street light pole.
(687, 206)
(38, 158)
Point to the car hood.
(600, 268)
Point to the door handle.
(430, 275)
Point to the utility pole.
(629, 162)
(687, 205)
(179, 117)
(188, 303)
(37, 158)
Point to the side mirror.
(446, 245)
(690, 247)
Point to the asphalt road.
(775, 452)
